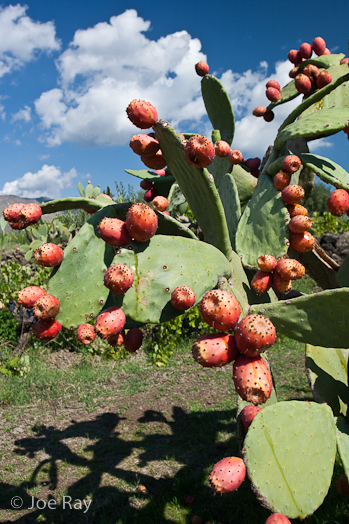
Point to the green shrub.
(15, 277)
(327, 223)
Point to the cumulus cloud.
(22, 114)
(49, 181)
(22, 38)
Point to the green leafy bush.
(15, 277)
(327, 223)
(317, 201)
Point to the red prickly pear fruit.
(150, 195)
(160, 203)
(268, 116)
(160, 172)
(227, 475)
(46, 307)
(292, 194)
(235, 157)
(30, 214)
(215, 350)
(281, 285)
(86, 334)
(277, 518)
(323, 79)
(294, 72)
(259, 111)
(221, 148)
(305, 50)
(110, 322)
(17, 225)
(114, 232)
(118, 278)
(146, 184)
(141, 222)
(196, 519)
(342, 486)
(291, 163)
(220, 309)
(133, 339)
(202, 68)
(182, 298)
(255, 173)
(326, 52)
(267, 263)
(281, 180)
(261, 282)
(29, 295)
(302, 84)
(318, 46)
(156, 161)
(144, 145)
(272, 94)
(117, 339)
(294, 57)
(46, 330)
(344, 61)
(254, 334)
(189, 499)
(248, 413)
(274, 84)
(302, 242)
(300, 223)
(296, 210)
(253, 163)
(199, 151)
(312, 72)
(166, 213)
(338, 202)
(252, 379)
(11, 212)
(142, 114)
(49, 255)
(290, 269)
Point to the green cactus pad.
(263, 226)
(327, 374)
(289, 452)
(162, 184)
(228, 192)
(218, 107)
(72, 203)
(287, 93)
(342, 275)
(175, 197)
(162, 264)
(324, 61)
(327, 170)
(319, 319)
(343, 442)
(245, 183)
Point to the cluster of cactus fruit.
(132, 265)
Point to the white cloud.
(22, 114)
(49, 181)
(2, 112)
(22, 38)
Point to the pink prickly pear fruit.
(110, 322)
(281, 285)
(254, 334)
(133, 339)
(318, 46)
(221, 148)
(294, 72)
(342, 486)
(312, 72)
(300, 223)
(144, 145)
(150, 195)
(323, 79)
(155, 161)
(215, 350)
(146, 184)
(294, 57)
(141, 222)
(114, 232)
(182, 298)
(267, 263)
(29, 295)
(302, 83)
(160, 172)
(118, 278)
(277, 518)
(272, 94)
(253, 163)
(30, 214)
(302, 242)
(49, 255)
(46, 307)
(220, 309)
(259, 111)
(199, 151)
(291, 163)
(255, 173)
(338, 202)
(261, 282)
(142, 114)
(227, 475)
(344, 61)
(160, 203)
(269, 116)
(248, 413)
(326, 52)
(235, 157)
(296, 210)
(11, 212)
(46, 330)
(292, 194)
(274, 84)
(117, 339)
(202, 68)
(86, 333)
(281, 180)
(290, 269)
(252, 379)
(305, 50)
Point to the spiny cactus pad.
(327, 170)
(343, 442)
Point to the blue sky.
(68, 69)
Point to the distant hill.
(7, 200)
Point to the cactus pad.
(327, 170)
(343, 442)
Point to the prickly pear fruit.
(30, 214)
(259, 111)
(277, 518)
(305, 50)
(11, 212)
(318, 45)
(272, 94)
(252, 379)
(215, 350)
(156, 161)
(118, 278)
(248, 413)
(202, 68)
(290, 269)
(146, 184)
(342, 486)
(312, 72)
(17, 225)
(150, 194)
(46, 330)
(144, 145)
(281, 285)
(300, 223)
(46, 307)
(160, 203)
(294, 57)
(253, 163)
(117, 339)
(338, 202)
(267, 263)
(142, 114)
(294, 72)
(268, 116)
(235, 157)
(182, 298)
(133, 339)
(262, 282)
(29, 295)
(221, 148)
(292, 194)
(86, 333)
(141, 222)
(227, 475)
(291, 163)
(114, 232)
(199, 151)
(302, 83)
(110, 322)
(254, 334)
(281, 180)
(49, 255)
(220, 309)
(274, 84)
(302, 242)
(296, 209)
(323, 79)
